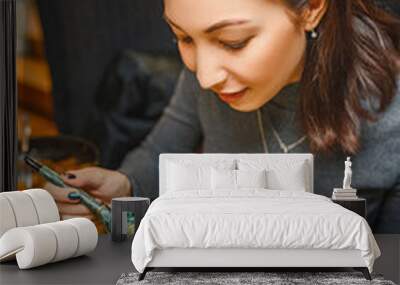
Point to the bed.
(247, 211)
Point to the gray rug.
(231, 278)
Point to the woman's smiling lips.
(232, 96)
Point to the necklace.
(285, 148)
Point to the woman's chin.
(243, 107)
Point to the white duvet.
(252, 218)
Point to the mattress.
(251, 219)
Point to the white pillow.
(281, 175)
(186, 174)
(251, 178)
(237, 179)
(223, 179)
(188, 177)
(293, 180)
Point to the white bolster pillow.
(26, 208)
(87, 235)
(7, 218)
(40, 244)
(67, 240)
(24, 211)
(45, 205)
(32, 246)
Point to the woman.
(276, 76)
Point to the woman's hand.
(101, 183)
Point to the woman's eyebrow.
(214, 27)
(223, 24)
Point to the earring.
(314, 34)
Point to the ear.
(313, 13)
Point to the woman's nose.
(210, 71)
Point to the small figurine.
(347, 174)
(347, 192)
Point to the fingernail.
(71, 176)
(74, 196)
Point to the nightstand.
(357, 205)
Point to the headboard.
(164, 157)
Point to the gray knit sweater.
(196, 116)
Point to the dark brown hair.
(353, 61)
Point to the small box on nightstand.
(357, 205)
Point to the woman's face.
(245, 51)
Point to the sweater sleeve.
(177, 131)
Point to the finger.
(61, 194)
(100, 201)
(98, 194)
(86, 178)
(73, 209)
(100, 197)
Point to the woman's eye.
(234, 46)
(185, 40)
